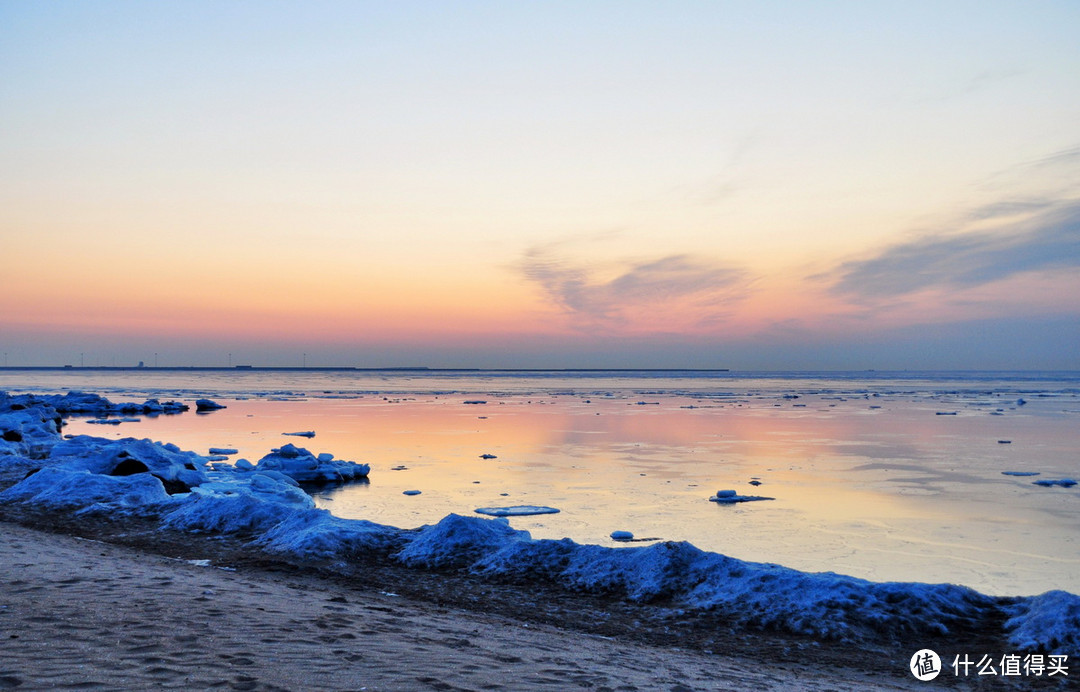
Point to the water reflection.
(893, 492)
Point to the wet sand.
(77, 613)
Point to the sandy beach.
(78, 613)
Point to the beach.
(133, 564)
(78, 613)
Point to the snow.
(515, 511)
(263, 505)
(457, 541)
(58, 488)
(27, 428)
(127, 457)
(1049, 622)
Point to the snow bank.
(81, 491)
(177, 469)
(250, 505)
(1050, 622)
(457, 541)
(27, 428)
(319, 535)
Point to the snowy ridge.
(264, 505)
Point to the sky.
(684, 184)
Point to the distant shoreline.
(327, 368)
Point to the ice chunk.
(515, 511)
(303, 466)
(622, 535)
(222, 451)
(730, 497)
(1020, 473)
(410, 492)
(206, 405)
(1063, 482)
(306, 433)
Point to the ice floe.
(731, 497)
(515, 511)
(1047, 482)
(304, 467)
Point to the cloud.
(1045, 238)
(676, 287)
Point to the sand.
(77, 613)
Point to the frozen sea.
(884, 476)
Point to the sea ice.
(303, 466)
(515, 511)
(265, 507)
(1063, 482)
(730, 497)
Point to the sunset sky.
(749, 185)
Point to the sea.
(887, 476)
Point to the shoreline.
(104, 610)
(159, 505)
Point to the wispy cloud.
(698, 289)
(1043, 237)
